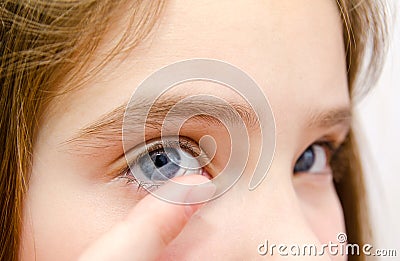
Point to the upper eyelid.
(334, 138)
(159, 143)
(333, 144)
(335, 141)
(143, 148)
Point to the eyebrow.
(107, 130)
(330, 118)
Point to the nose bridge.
(244, 219)
(270, 212)
(276, 192)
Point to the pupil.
(160, 164)
(160, 160)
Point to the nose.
(233, 226)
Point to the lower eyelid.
(143, 188)
(130, 180)
(324, 177)
(206, 174)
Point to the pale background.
(379, 118)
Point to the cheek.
(321, 206)
(63, 212)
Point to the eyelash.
(331, 148)
(190, 146)
(184, 143)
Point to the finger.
(149, 228)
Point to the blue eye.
(314, 159)
(161, 162)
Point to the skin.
(292, 49)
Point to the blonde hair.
(44, 40)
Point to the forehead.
(287, 46)
(292, 49)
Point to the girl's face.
(293, 49)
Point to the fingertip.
(152, 224)
(191, 209)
